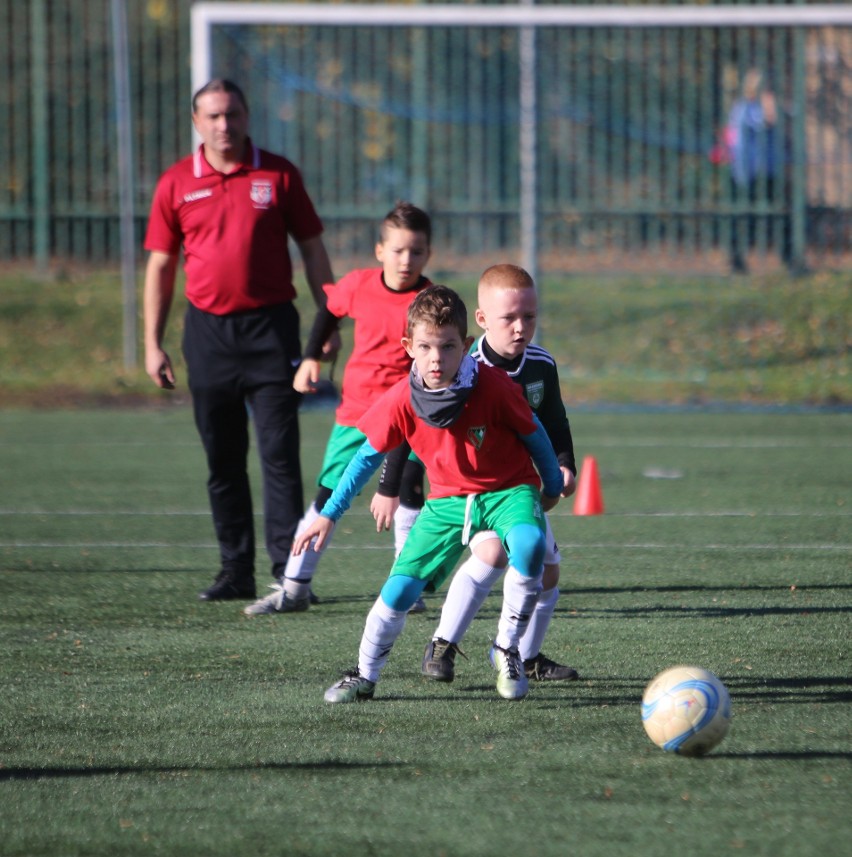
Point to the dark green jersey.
(535, 370)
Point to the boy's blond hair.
(505, 276)
(436, 307)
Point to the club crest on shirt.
(261, 194)
(476, 435)
(535, 393)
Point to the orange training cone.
(589, 500)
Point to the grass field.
(135, 720)
(697, 340)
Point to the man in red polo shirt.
(230, 208)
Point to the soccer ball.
(686, 710)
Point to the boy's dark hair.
(404, 215)
(436, 307)
(219, 84)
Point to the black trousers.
(744, 226)
(241, 366)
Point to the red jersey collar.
(201, 166)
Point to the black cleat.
(229, 586)
(439, 660)
(541, 668)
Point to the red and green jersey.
(233, 228)
(481, 451)
(378, 359)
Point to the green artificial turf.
(136, 720)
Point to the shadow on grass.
(779, 755)
(825, 689)
(604, 692)
(7, 774)
(801, 589)
(683, 611)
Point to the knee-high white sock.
(519, 597)
(383, 626)
(403, 521)
(533, 637)
(300, 570)
(467, 592)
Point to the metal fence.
(627, 120)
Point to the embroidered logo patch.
(535, 393)
(261, 194)
(476, 435)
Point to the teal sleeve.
(357, 474)
(541, 450)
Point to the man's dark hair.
(219, 84)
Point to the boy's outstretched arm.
(383, 510)
(364, 464)
(320, 529)
(569, 483)
(544, 458)
(323, 341)
(386, 499)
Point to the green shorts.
(439, 536)
(343, 443)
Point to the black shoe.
(541, 668)
(229, 586)
(439, 660)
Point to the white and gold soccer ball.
(686, 710)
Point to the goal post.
(530, 21)
(205, 15)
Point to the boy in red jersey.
(475, 433)
(507, 313)
(377, 300)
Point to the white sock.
(533, 637)
(383, 626)
(303, 567)
(403, 521)
(519, 597)
(297, 590)
(467, 592)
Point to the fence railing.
(628, 124)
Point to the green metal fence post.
(124, 146)
(40, 136)
(798, 173)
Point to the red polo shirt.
(233, 228)
(480, 451)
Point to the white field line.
(387, 548)
(556, 513)
(609, 442)
(699, 443)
